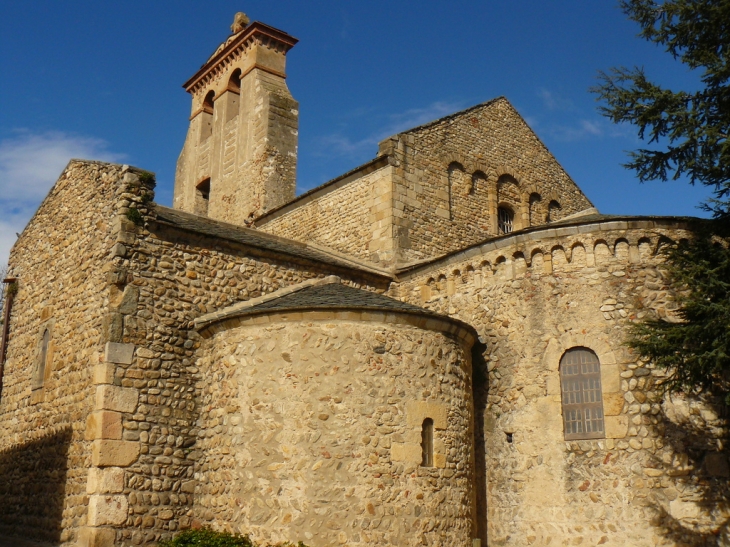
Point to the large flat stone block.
(106, 510)
(120, 399)
(104, 373)
(108, 480)
(115, 352)
(617, 427)
(111, 453)
(610, 378)
(97, 537)
(103, 424)
(417, 411)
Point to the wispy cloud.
(578, 131)
(29, 165)
(554, 101)
(341, 144)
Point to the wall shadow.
(694, 510)
(480, 386)
(32, 488)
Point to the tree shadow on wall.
(32, 488)
(694, 510)
(480, 386)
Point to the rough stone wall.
(355, 218)
(171, 276)
(660, 475)
(60, 261)
(445, 192)
(311, 431)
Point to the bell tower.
(240, 154)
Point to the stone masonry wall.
(446, 192)
(60, 261)
(311, 431)
(355, 219)
(659, 477)
(170, 277)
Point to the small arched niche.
(535, 203)
(202, 197)
(233, 95)
(206, 122)
(554, 211)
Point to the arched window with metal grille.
(505, 220)
(580, 386)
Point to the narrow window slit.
(427, 443)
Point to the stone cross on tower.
(240, 153)
(240, 22)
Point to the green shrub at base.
(205, 537)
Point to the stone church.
(426, 350)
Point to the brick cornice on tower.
(232, 49)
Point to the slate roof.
(337, 296)
(319, 295)
(258, 239)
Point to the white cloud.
(30, 163)
(340, 144)
(580, 130)
(553, 101)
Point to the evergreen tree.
(689, 131)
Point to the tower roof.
(256, 32)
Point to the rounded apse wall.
(314, 431)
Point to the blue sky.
(102, 80)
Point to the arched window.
(206, 127)
(456, 183)
(427, 443)
(535, 200)
(40, 370)
(234, 82)
(478, 183)
(202, 197)
(580, 387)
(505, 220)
(553, 213)
(233, 95)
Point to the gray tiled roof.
(337, 296)
(258, 239)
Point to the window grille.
(505, 220)
(427, 443)
(580, 382)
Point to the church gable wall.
(658, 473)
(355, 218)
(453, 174)
(60, 262)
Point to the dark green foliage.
(205, 537)
(690, 127)
(696, 350)
(147, 178)
(690, 132)
(135, 216)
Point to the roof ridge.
(246, 304)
